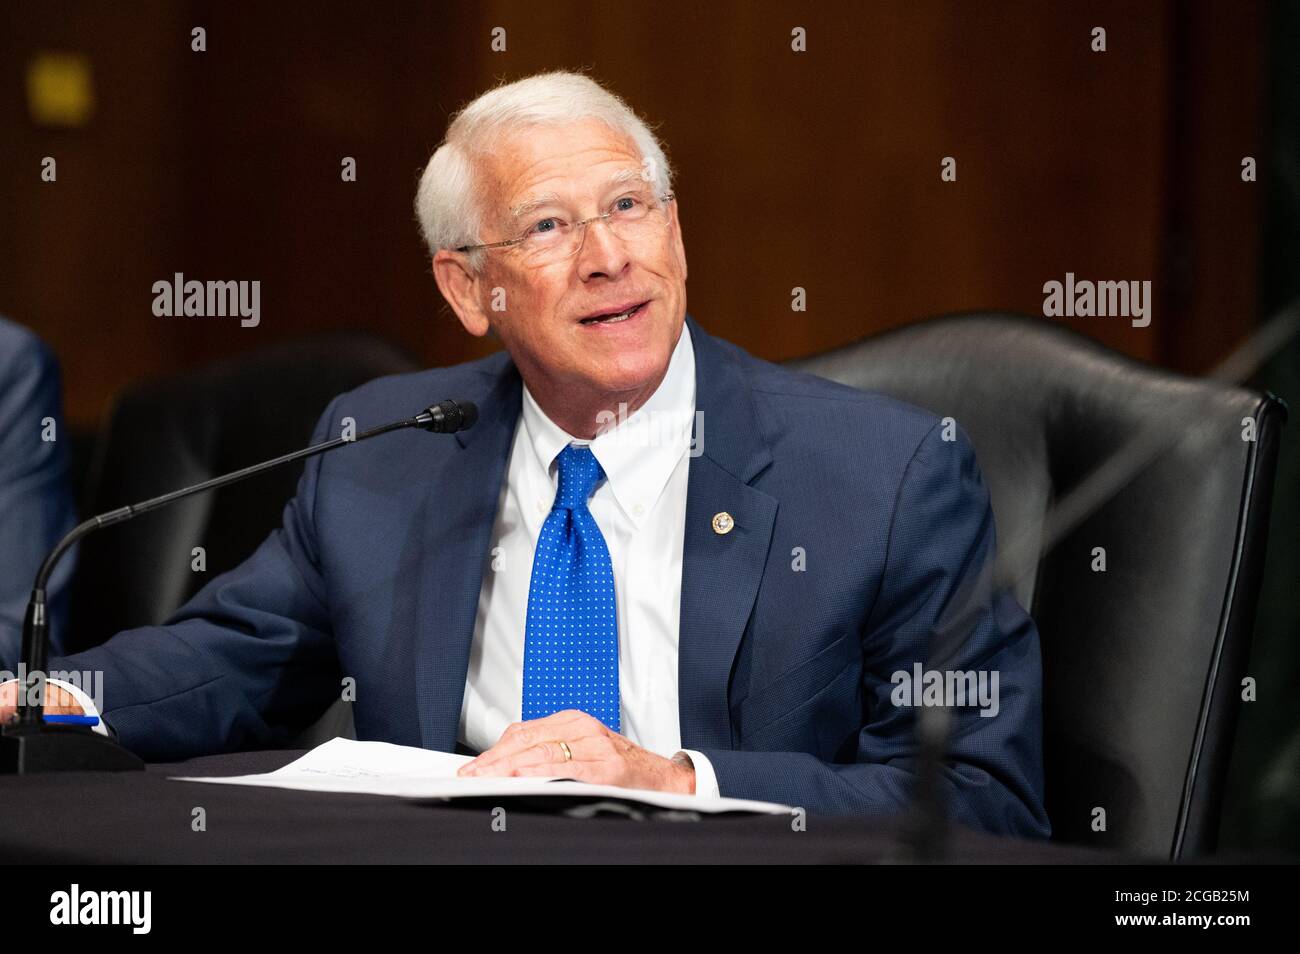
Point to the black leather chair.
(165, 434)
(1144, 662)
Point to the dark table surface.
(143, 817)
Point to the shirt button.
(638, 509)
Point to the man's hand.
(58, 701)
(599, 755)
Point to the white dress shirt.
(640, 508)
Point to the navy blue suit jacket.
(36, 506)
(784, 673)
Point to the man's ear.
(679, 249)
(460, 286)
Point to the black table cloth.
(143, 817)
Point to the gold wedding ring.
(564, 747)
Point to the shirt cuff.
(83, 700)
(706, 781)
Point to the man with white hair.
(656, 561)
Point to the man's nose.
(602, 252)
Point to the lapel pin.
(722, 522)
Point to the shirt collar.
(637, 451)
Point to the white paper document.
(381, 768)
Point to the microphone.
(30, 744)
(447, 417)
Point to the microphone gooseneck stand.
(30, 744)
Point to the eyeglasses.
(633, 217)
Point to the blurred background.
(817, 170)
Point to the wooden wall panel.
(818, 170)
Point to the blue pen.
(72, 719)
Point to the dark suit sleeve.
(941, 538)
(36, 507)
(246, 662)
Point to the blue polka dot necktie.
(571, 636)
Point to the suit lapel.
(720, 571)
(458, 516)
